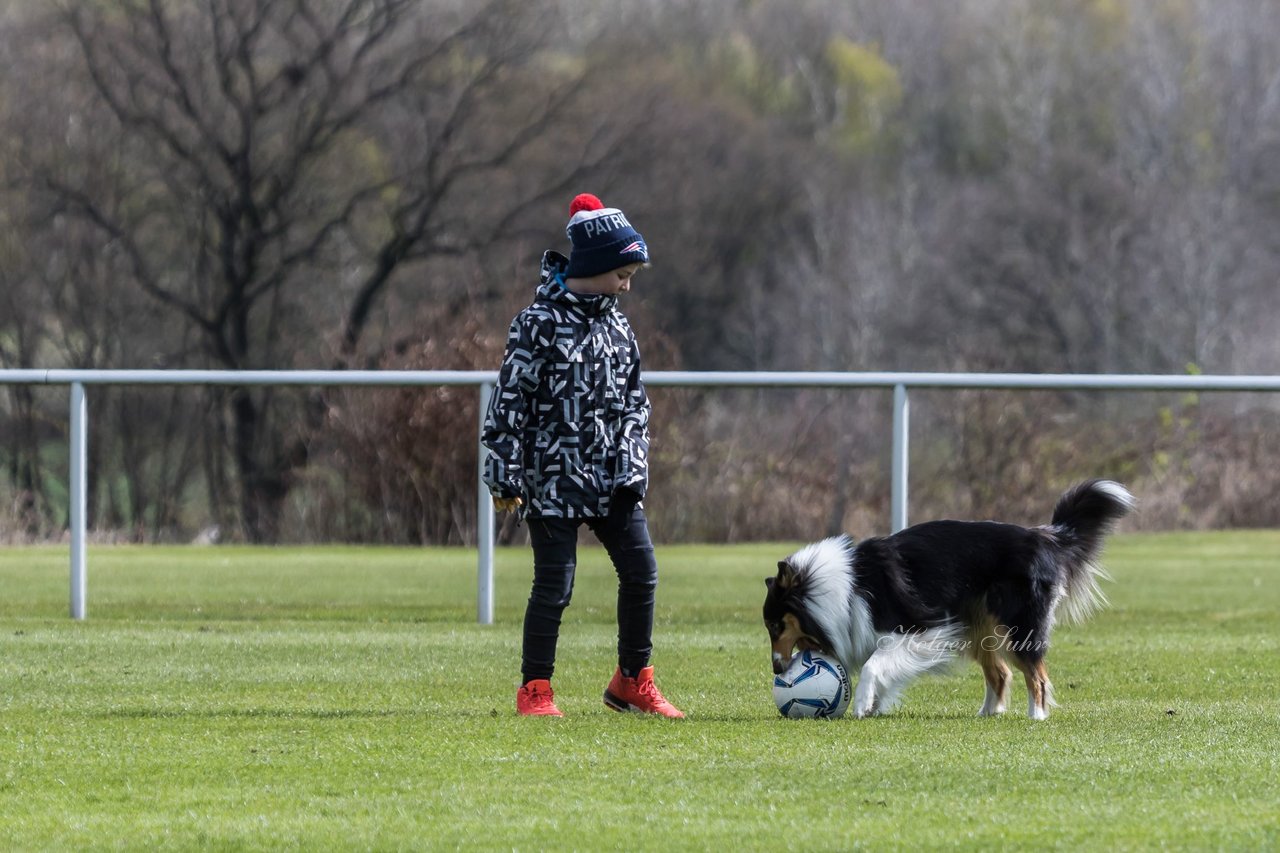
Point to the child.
(568, 435)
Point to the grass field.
(236, 698)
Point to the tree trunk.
(262, 481)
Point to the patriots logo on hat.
(637, 246)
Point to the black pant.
(555, 559)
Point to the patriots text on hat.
(605, 222)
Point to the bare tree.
(22, 334)
(287, 161)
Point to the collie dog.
(896, 607)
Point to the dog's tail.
(1085, 514)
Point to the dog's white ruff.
(842, 615)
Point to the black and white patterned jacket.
(568, 423)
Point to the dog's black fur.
(898, 606)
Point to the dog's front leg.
(865, 696)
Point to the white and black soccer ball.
(814, 685)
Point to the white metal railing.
(900, 383)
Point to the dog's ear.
(786, 575)
(768, 582)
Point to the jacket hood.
(552, 289)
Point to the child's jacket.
(569, 420)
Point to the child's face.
(610, 283)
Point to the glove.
(507, 504)
(622, 505)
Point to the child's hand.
(507, 504)
(622, 505)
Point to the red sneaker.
(535, 699)
(638, 694)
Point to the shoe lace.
(539, 698)
(649, 689)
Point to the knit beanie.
(602, 239)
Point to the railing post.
(79, 451)
(898, 495)
(484, 525)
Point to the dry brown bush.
(401, 463)
(764, 465)
(1197, 464)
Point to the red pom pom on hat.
(585, 201)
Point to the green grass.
(237, 698)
